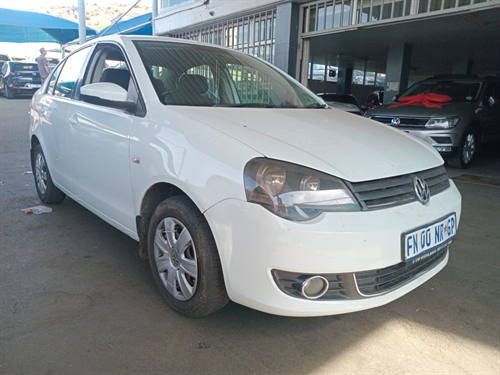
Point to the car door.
(52, 110)
(100, 142)
(491, 112)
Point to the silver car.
(454, 114)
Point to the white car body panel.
(52, 114)
(320, 138)
(100, 142)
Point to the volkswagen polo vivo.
(237, 182)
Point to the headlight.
(294, 192)
(442, 123)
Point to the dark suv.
(455, 114)
(19, 78)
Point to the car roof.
(121, 38)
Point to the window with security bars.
(252, 86)
(254, 34)
(324, 15)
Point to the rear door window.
(71, 73)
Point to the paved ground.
(76, 299)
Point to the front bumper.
(253, 242)
(446, 142)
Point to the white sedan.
(239, 183)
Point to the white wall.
(214, 11)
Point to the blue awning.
(24, 26)
(140, 25)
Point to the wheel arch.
(156, 194)
(34, 141)
(478, 131)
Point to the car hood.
(335, 142)
(450, 109)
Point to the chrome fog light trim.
(314, 287)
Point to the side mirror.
(491, 101)
(106, 94)
(395, 97)
(332, 73)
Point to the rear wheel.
(8, 93)
(184, 258)
(45, 188)
(466, 152)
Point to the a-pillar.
(287, 37)
(397, 70)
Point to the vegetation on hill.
(97, 16)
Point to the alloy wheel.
(469, 148)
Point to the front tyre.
(184, 258)
(45, 188)
(466, 152)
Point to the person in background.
(43, 65)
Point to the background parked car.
(344, 102)
(455, 126)
(19, 78)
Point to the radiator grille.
(406, 122)
(398, 190)
(382, 280)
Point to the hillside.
(97, 16)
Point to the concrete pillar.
(397, 70)
(462, 67)
(82, 29)
(304, 62)
(344, 80)
(287, 37)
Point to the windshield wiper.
(317, 106)
(245, 105)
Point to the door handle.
(73, 121)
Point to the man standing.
(43, 65)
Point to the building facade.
(347, 45)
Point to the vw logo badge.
(421, 190)
(395, 121)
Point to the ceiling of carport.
(436, 44)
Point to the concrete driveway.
(75, 298)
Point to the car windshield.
(459, 91)
(24, 67)
(198, 75)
